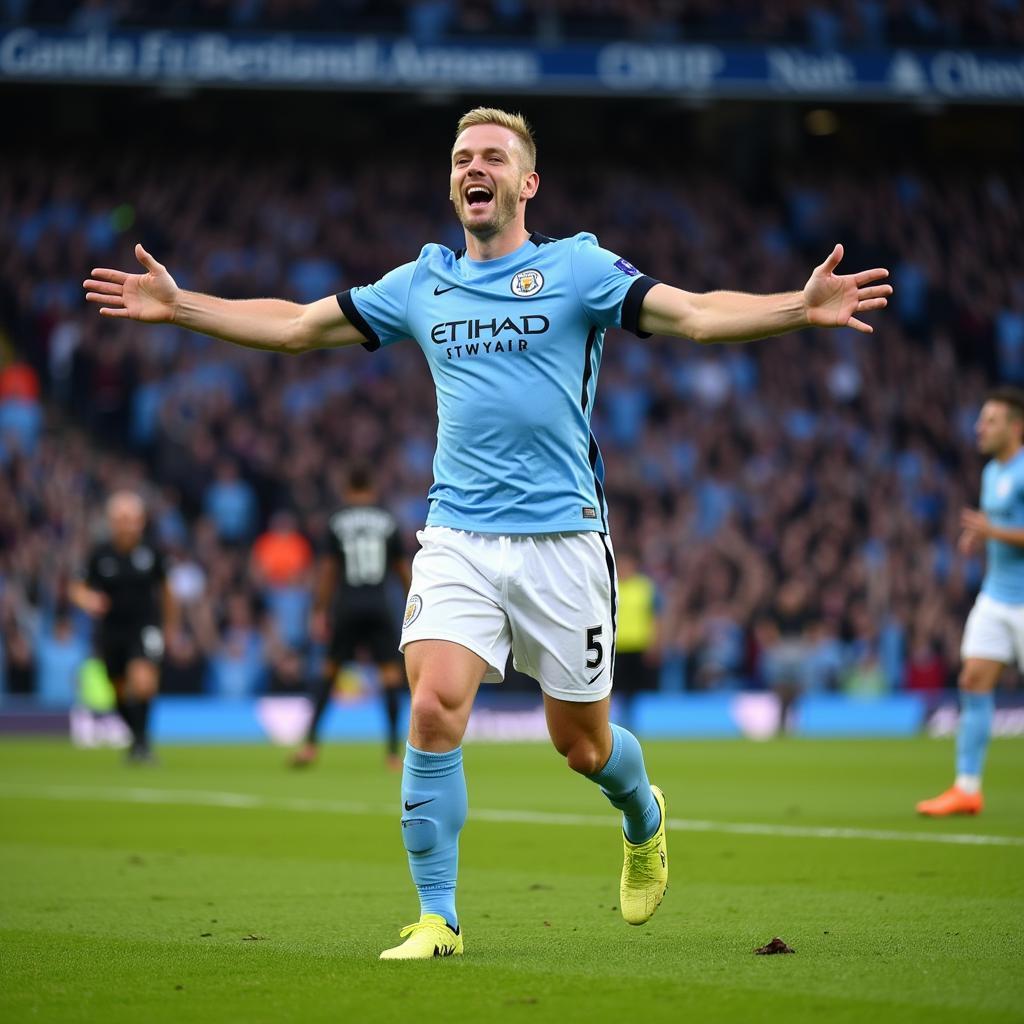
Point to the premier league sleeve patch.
(627, 268)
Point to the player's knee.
(143, 680)
(431, 717)
(584, 756)
(974, 679)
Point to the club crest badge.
(527, 283)
(412, 610)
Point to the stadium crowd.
(795, 501)
(871, 24)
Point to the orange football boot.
(953, 801)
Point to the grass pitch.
(220, 886)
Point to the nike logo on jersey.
(594, 676)
(412, 807)
(438, 290)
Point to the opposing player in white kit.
(515, 553)
(994, 632)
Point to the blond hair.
(515, 123)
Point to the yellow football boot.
(430, 936)
(644, 872)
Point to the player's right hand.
(96, 604)
(150, 297)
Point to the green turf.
(114, 911)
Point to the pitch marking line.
(252, 801)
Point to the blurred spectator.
(20, 662)
(19, 380)
(230, 502)
(636, 637)
(21, 415)
(864, 678)
(184, 669)
(861, 23)
(282, 556)
(926, 670)
(60, 652)
(785, 646)
(237, 664)
(282, 561)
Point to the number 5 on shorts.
(595, 649)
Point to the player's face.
(997, 428)
(488, 179)
(127, 520)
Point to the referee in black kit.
(351, 611)
(125, 589)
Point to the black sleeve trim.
(358, 321)
(632, 303)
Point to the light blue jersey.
(514, 346)
(1002, 500)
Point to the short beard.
(505, 206)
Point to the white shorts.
(994, 631)
(550, 599)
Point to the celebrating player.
(364, 548)
(515, 554)
(994, 632)
(125, 588)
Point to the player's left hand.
(969, 543)
(975, 522)
(830, 299)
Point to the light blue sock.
(434, 808)
(974, 732)
(623, 780)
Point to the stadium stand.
(801, 492)
(866, 24)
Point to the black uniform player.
(125, 589)
(364, 547)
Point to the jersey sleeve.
(611, 289)
(380, 311)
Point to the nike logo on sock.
(412, 807)
(438, 290)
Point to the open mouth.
(478, 195)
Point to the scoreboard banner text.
(369, 63)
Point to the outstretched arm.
(275, 324)
(827, 300)
(977, 527)
(93, 602)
